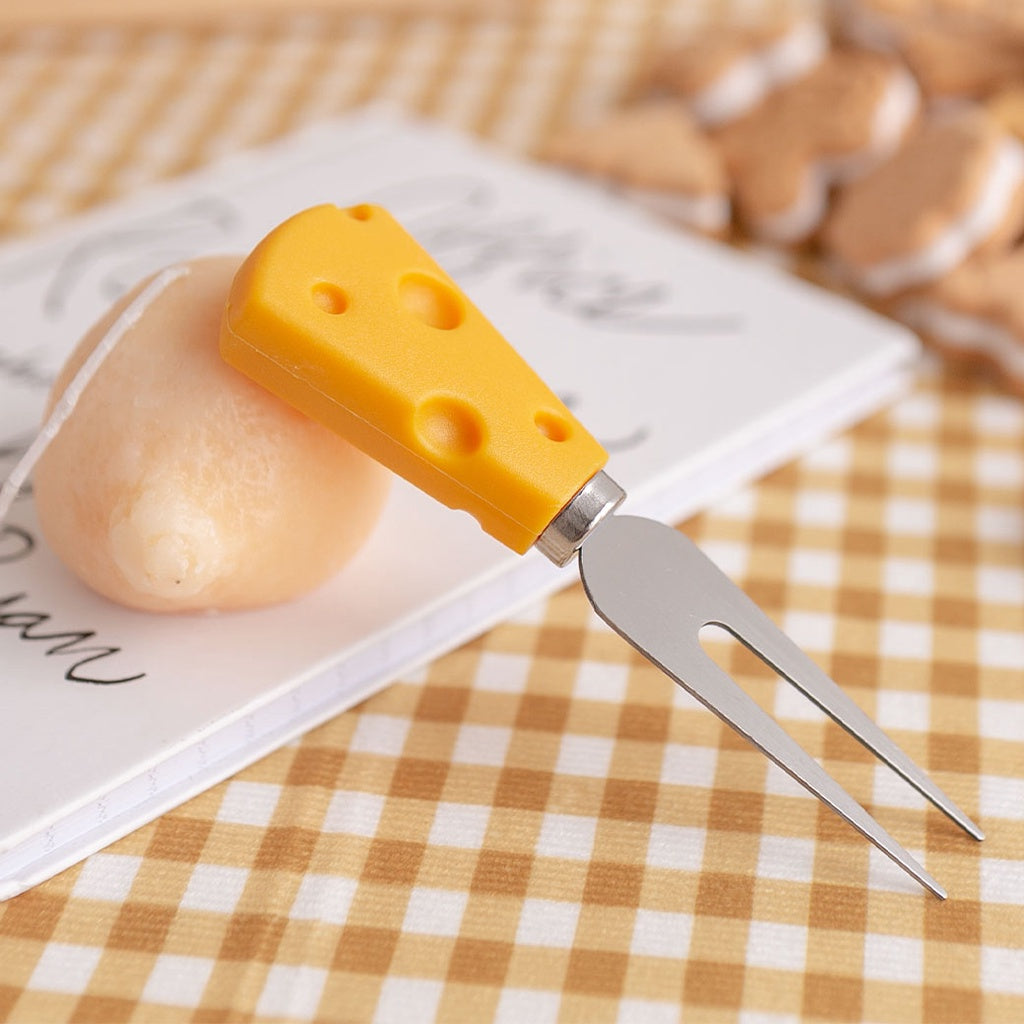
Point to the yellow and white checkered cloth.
(539, 826)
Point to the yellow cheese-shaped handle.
(343, 315)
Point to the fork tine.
(755, 630)
(656, 589)
(719, 692)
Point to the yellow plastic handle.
(342, 314)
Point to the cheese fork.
(341, 313)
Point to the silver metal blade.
(655, 588)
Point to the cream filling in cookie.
(801, 217)
(709, 213)
(897, 107)
(749, 80)
(965, 333)
(954, 244)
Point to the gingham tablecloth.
(539, 826)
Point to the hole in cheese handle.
(343, 315)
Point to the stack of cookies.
(883, 148)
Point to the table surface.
(538, 826)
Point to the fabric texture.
(539, 826)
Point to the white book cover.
(697, 367)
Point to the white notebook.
(697, 367)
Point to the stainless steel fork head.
(657, 590)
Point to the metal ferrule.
(565, 534)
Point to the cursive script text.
(31, 626)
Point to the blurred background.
(101, 96)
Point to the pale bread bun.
(177, 484)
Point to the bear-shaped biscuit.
(658, 156)
(831, 126)
(953, 188)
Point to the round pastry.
(176, 484)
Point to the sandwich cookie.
(724, 73)
(958, 48)
(976, 312)
(832, 126)
(954, 187)
(655, 154)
